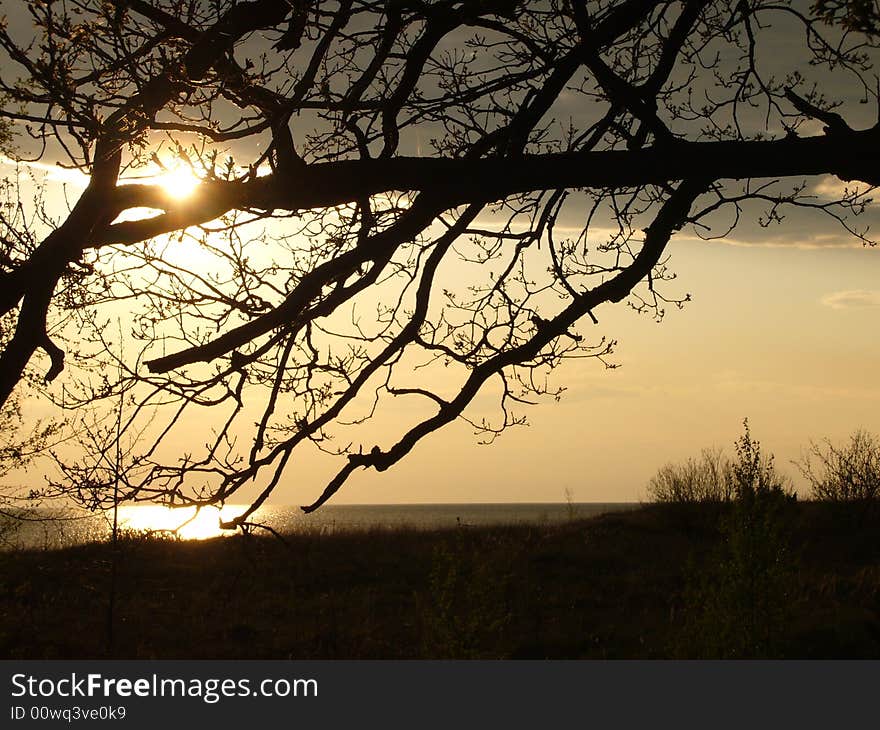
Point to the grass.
(621, 585)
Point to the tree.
(423, 161)
(862, 15)
(17, 449)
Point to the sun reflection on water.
(185, 522)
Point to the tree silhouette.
(397, 200)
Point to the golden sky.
(781, 329)
(782, 334)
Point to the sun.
(178, 183)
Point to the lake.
(76, 529)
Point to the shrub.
(740, 604)
(754, 474)
(467, 599)
(708, 478)
(848, 473)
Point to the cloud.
(53, 173)
(804, 242)
(834, 188)
(852, 299)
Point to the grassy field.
(658, 582)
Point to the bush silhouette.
(740, 603)
(847, 474)
(708, 478)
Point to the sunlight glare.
(188, 524)
(179, 182)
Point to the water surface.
(187, 524)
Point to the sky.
(781, 329)
(784, 335)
